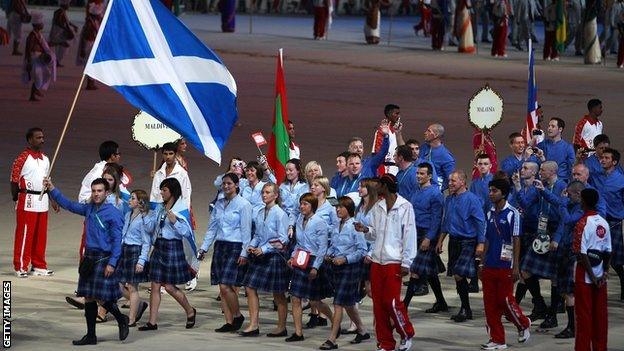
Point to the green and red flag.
(562, 30)
(279, 144)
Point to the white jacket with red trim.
(585, 132)
(393, 232)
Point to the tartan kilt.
(461, 257)
(127, 265)
(543, 266)
(426, 262)
(566, 261)
(346, 281)
(225, 269)
(96, 286)
(317, 289)
(168, 264)
(617, 243)
(365, 272)
(268, 273)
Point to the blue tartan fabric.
(302, 287)
(346, 282)
(543, 266)
(426, 262)
(168, 264)
(566, 260)
(225, 269)
(96, 285)
(268, 273)
(617, 243)
(127, 265)
(461, 257)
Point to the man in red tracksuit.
(393, 229)
(27, 173)
(501, 267)
(592, 245)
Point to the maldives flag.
(279, 149)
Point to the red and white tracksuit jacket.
(585, 132)
(28, 171)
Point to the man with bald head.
(464, 223)
(580, 172)
(536, 265)
(433, 150)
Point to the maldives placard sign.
(151, 133)
(485, 108)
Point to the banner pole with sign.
(485, 111)
(151, 134)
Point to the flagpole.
(58, 145)
(253, 3)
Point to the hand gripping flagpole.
(58, 145)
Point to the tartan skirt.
(268, 273)
(127, 265)
(168, 264)
(461, 257)
(97, 286)
(427, 263)
(225, 269)
(566, 260)
(617, 243)
(543, 266)
(346, 281)
(304, 288)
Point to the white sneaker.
(42, 272)
(493, 346)
(21, 274)
(405, 344)
(524, 334)
(191, 285)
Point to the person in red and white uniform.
(27, 173)
(294, 148)
(592, 245)
(393, 229)
(589, 126)
(393, 120)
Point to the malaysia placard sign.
(152, 133)
(485, 109)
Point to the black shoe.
(322, 322)
(226, 328)
(148, 326)
(313, 322)
(277, 335)
(328, 345)
(360, 337)
(463, 315)
(348, 332)
(485, 41)
(123, 328)
(190, 321)
(254, 332)
(294, 338)
(438, 307)
(237, 323)
(539, 310)
(549, 323)
(72, 301)
(406, 283)
(139, 314)
(307, 306)
(578, 53)
(86, 340)
(567, 333)
(421, 290)
(473, 287)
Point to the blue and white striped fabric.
(151, 58)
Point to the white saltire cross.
(164, 68)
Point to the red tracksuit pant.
(498, 301)
(388, 308)
(320, 20)
(590, 312)
(500, 39)
(31, 235)
(550, 51)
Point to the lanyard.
(355, 181)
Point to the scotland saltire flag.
(151, 58)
